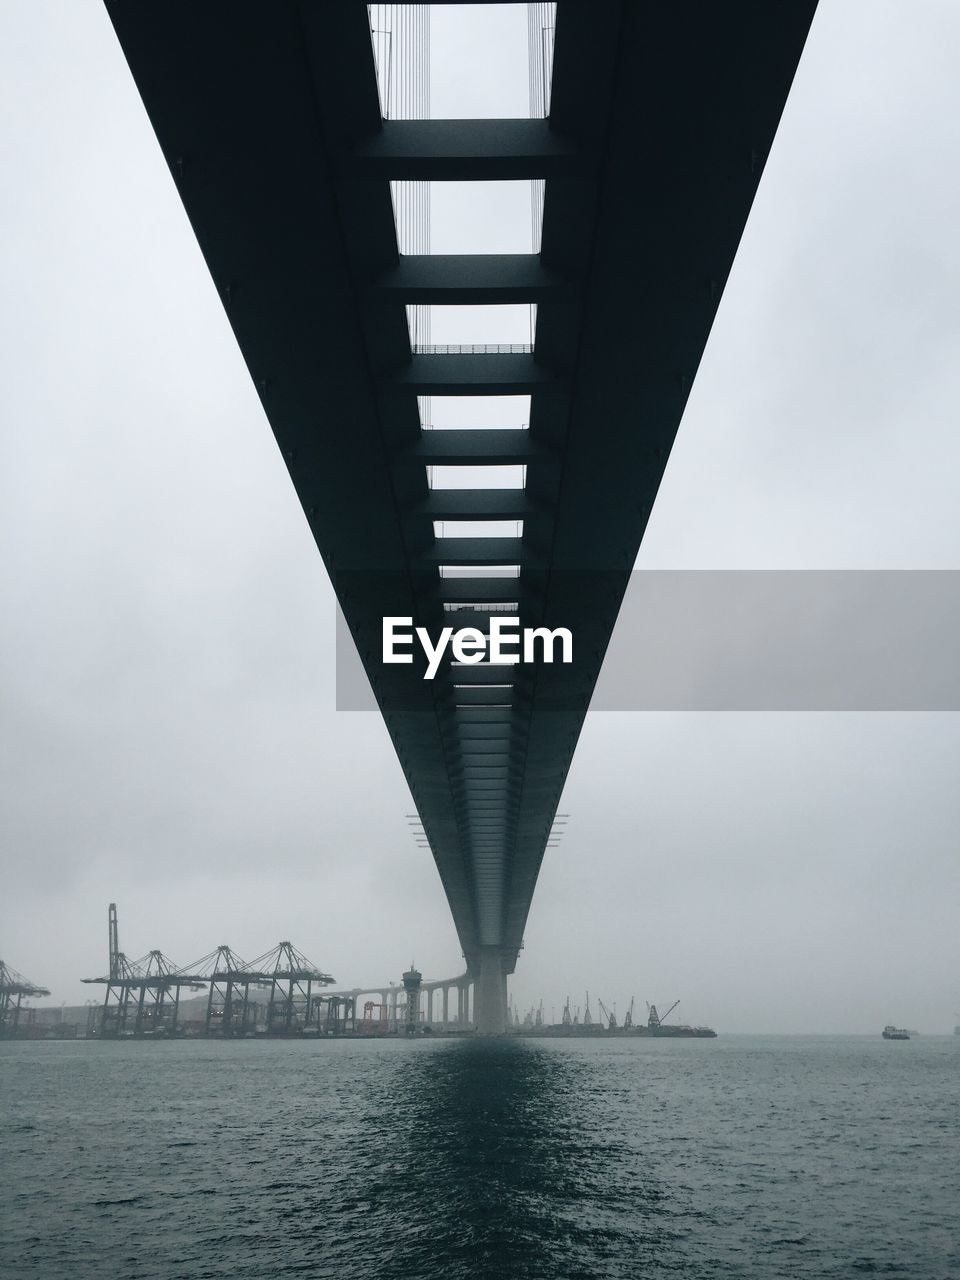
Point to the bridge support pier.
(490, 993)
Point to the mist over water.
(745, 1157)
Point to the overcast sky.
(167, 727)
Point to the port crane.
(611, 1018)
(628, 1019)
(655, 1019)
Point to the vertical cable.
(541, 26)
(400, 35)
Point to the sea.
(456, 1157)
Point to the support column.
(446, 1008)
(490, 993)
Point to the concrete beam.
(463, 151)
(476, 551)
(443, 446)
(480, 715)
(480, 590)
(472, 279)
(478, 504)
(491, 373)
(483, 695)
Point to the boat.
(678, 1031)
(895, 1033)
(657, 1026)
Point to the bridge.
(443, 1004)
(657, 121)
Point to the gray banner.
(765, 641)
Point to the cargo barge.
(656, 1027)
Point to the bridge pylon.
(491, 992)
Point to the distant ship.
(895, 1033)
(678, 1030)
(657, 1025)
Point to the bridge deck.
(661, 120)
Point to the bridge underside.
(661, 120)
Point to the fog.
(168, 737)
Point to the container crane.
(611, 1018)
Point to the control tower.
(411, 985)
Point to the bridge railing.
(472, 348)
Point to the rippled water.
(736, 1158)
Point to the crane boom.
(611, 1018)
(669, 1011)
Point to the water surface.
(740, 1157)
